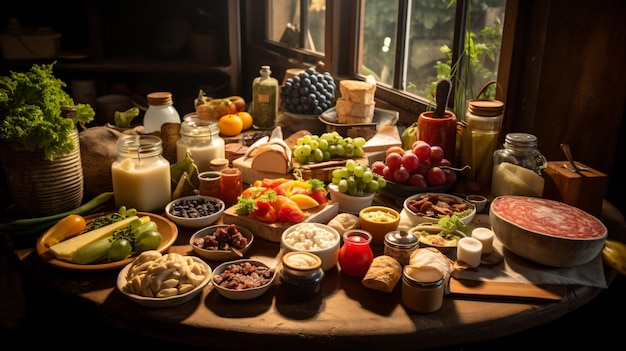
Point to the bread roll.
(344, 222)
(383, 274)
(355, 109)
(357, 91)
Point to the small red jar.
(356, 256)
(230, 186)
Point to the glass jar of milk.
(202, 138)
(141, 175)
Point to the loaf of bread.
(350, 108)
(383, 274)
(344, 221)
(357, 91)
(270, 158)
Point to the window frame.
(341, 57)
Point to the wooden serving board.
(504, 290)
(273, 231)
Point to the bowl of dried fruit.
(196, 211)
(243, 279)
(431, 207)
(221, 242)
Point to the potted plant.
(40, 151)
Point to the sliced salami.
(548, 217)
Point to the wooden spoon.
(236, 251)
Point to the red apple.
(418, 180)
(401, 175)
(422, 150)
(436, 176)
(410, 161)
(436, 154)
(377, 167)
(393, 161)
(388, 174)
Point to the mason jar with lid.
(399, 245)
(517, 168)
(479, 140)
(202, 138)
(140, 173)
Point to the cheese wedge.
(66, 249)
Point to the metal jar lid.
(401, 240)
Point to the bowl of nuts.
(196, 211)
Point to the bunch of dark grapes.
(308, 93)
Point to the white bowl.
(219, 255)
(242, 294)
(464, 215)
(310, 233)
(435, 229)
(197, 222)
(162, 302)
(545, 231)
(349, 203)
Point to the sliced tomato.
(264, 212)
(319, 196)
(279, 202)
(290, 212)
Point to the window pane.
(286, 21)
(379, 40)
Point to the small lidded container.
(400, 244)
(422, 288)
(301, 275)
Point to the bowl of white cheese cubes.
(317, 238)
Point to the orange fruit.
(230, 124)
(396, 149)
(246, 118)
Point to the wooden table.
(347, 316)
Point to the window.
(407, 45)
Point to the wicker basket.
(40, 187)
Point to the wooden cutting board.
(506, 290)
(273, 231)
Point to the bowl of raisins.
(196, 211)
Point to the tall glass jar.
(141, 175)
(479, 140)
(356, 255)
(202, 138)
(160, 111)
(231, 186)
(517, 168)
(265, 99)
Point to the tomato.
(290, 212)
(264, 212)
(319, 196)
(148, 240)
(120, 249)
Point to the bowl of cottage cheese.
(317, 238)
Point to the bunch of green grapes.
(314, 148)
(354, 179)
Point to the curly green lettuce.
(30, 112)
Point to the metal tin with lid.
(400, 244)
(422, 288)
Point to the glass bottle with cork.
(160, 111)
(265, 99)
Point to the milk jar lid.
(160, 98)
(486, 107)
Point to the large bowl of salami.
(545, 231)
